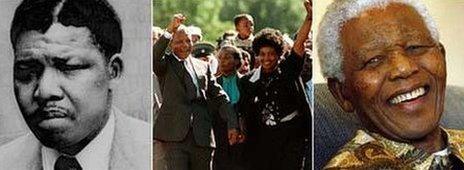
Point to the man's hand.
(309, 9)
(233, 136)
(176, 21)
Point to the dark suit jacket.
(174, 117)
(130, 148)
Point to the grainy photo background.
(132, 95)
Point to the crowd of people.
(249, 90)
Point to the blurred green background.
(216, 16)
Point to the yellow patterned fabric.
(372, 151)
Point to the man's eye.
(26, 71)
(416, 49)
(374, 61)
(69, 67)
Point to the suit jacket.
(130, 148)
(178, 114)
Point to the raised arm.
(303, 32)
(159, 48)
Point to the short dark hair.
(268, 37)
(97, 15)
(239, 17)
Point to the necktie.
(67, 163)
(190, 87)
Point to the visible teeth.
(408, 96)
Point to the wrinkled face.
(227, 62)
(244, 28)
(61, 84)
(268, 58)
(181, 44)
(395, 72)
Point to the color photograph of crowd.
(241, 101)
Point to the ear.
(442, 49)
(115, 68)
(338, 90)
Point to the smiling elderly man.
(67, 59)
(383, 60)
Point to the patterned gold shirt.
(372, 151)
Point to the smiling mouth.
(409, 96)
(267, 63)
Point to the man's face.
(61, 85)
(181, 44)
(195, 38)
(204, 58)
(395, 72)
(244, 28)
(268, 58)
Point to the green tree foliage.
(216, 16)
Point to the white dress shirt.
(188, 65)
(95, 156)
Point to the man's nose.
(48, 87)
(403, 66)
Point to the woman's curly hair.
(268, 37)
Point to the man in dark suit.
(183, 128)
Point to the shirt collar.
(178, 59)
(95, 155)
(453, 143)
(256, 75)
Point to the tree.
(216, 16)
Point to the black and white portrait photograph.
(75, 84)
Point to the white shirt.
(188, 65)
(95, 156)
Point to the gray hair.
(338, 13)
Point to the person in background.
(228, 157)
(156, 32)
(246, 66)
(196, 33)
(244, 25)
(288, 45)
(227, 38)
(206, 51)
